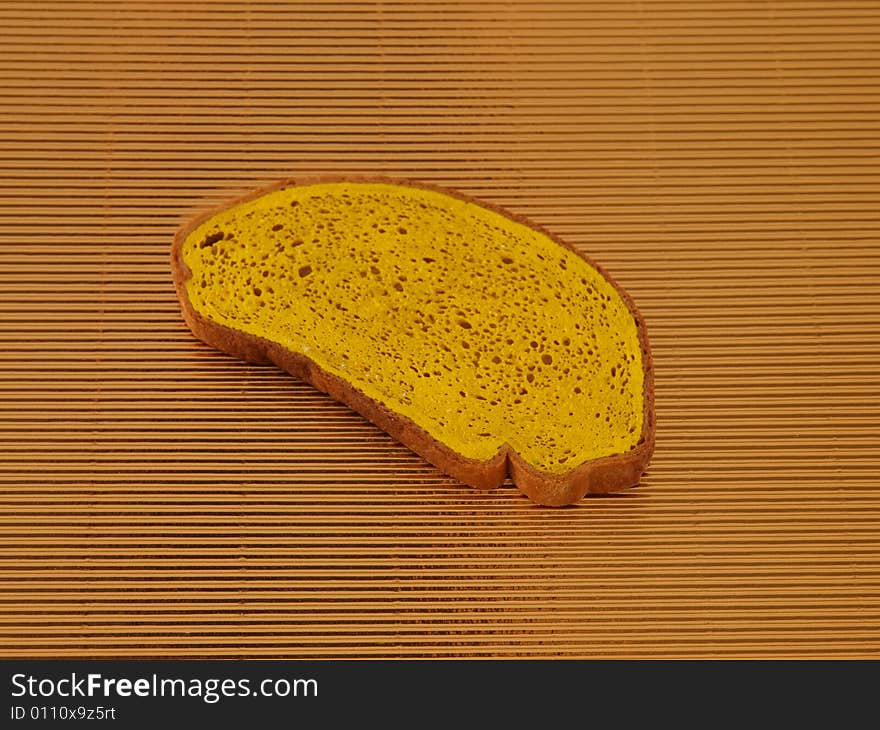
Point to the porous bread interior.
(481, 330)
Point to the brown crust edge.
(599, 476)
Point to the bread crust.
(598, 476)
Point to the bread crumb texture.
(478, 328)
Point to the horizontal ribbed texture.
(722, 161)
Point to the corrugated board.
(720, 159)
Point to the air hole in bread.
(212, 238)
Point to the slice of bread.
(469, 334)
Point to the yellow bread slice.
(469, 334)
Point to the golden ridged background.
(722, 160)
